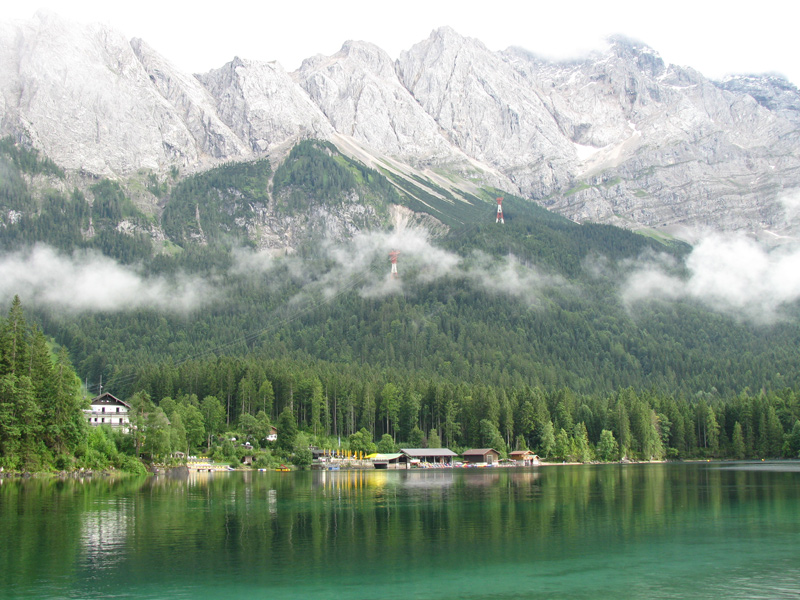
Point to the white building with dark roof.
(108, 410)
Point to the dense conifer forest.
(524, 343)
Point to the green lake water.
(700, 530)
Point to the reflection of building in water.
(428, 479)
(348, 480)
(272, 502)
(526, 477)
(104, 532)
(481, 477)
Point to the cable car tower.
(500, 211)
(393, 257)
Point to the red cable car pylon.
(393, 257)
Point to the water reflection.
(104, 531)
(284, 530)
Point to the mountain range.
(617, 137)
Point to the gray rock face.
(488, 111)
(617, 137)
(80, 94)
(770, 91)
(193, 104)
(261, 103)
(360, 93)
(661, 145)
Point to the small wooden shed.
(481, 456)
(524, 457)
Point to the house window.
(118, 409)
(103, 420)
(103, 409)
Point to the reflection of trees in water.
(287, 524)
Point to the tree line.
(333, 405)
(224, 407)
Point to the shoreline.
(177, 469)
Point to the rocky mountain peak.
(646, 59)
(193, 103)
(618, 136)
(79, 93)
(773, 92)
(359, 92)
(260, 102)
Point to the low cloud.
(248, 262)
(87, 281)
(791, 207)
(730, 274)
(364, 264)
(511, 277)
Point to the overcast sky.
(714, 37)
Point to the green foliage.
(213, 417)
(361, 441)
(491, 438)
(41, 421)
(449, 356)
(386, 445)
(581, 449)
(287, 429)
(27, 160)
(208, 205)
(433, 439)
(301, 455)
(562, 449)
(548, 440)
(416, 438)
(607, 447)
(110, 203)
(792, 446)
(265, 460)
(63, 220)
(315, 173)
(738, 449)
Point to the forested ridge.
(560, 365)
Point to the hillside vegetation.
(499, 335)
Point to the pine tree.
(14, 343)
(774, 434)
(433, 439)
(580, 444)
(562, 445)
(607, 448)
(737, 442)
(547, 440)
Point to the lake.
(694, 530)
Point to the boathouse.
(410, 457)
(386, 461)
(526, 458)
(481, 456)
